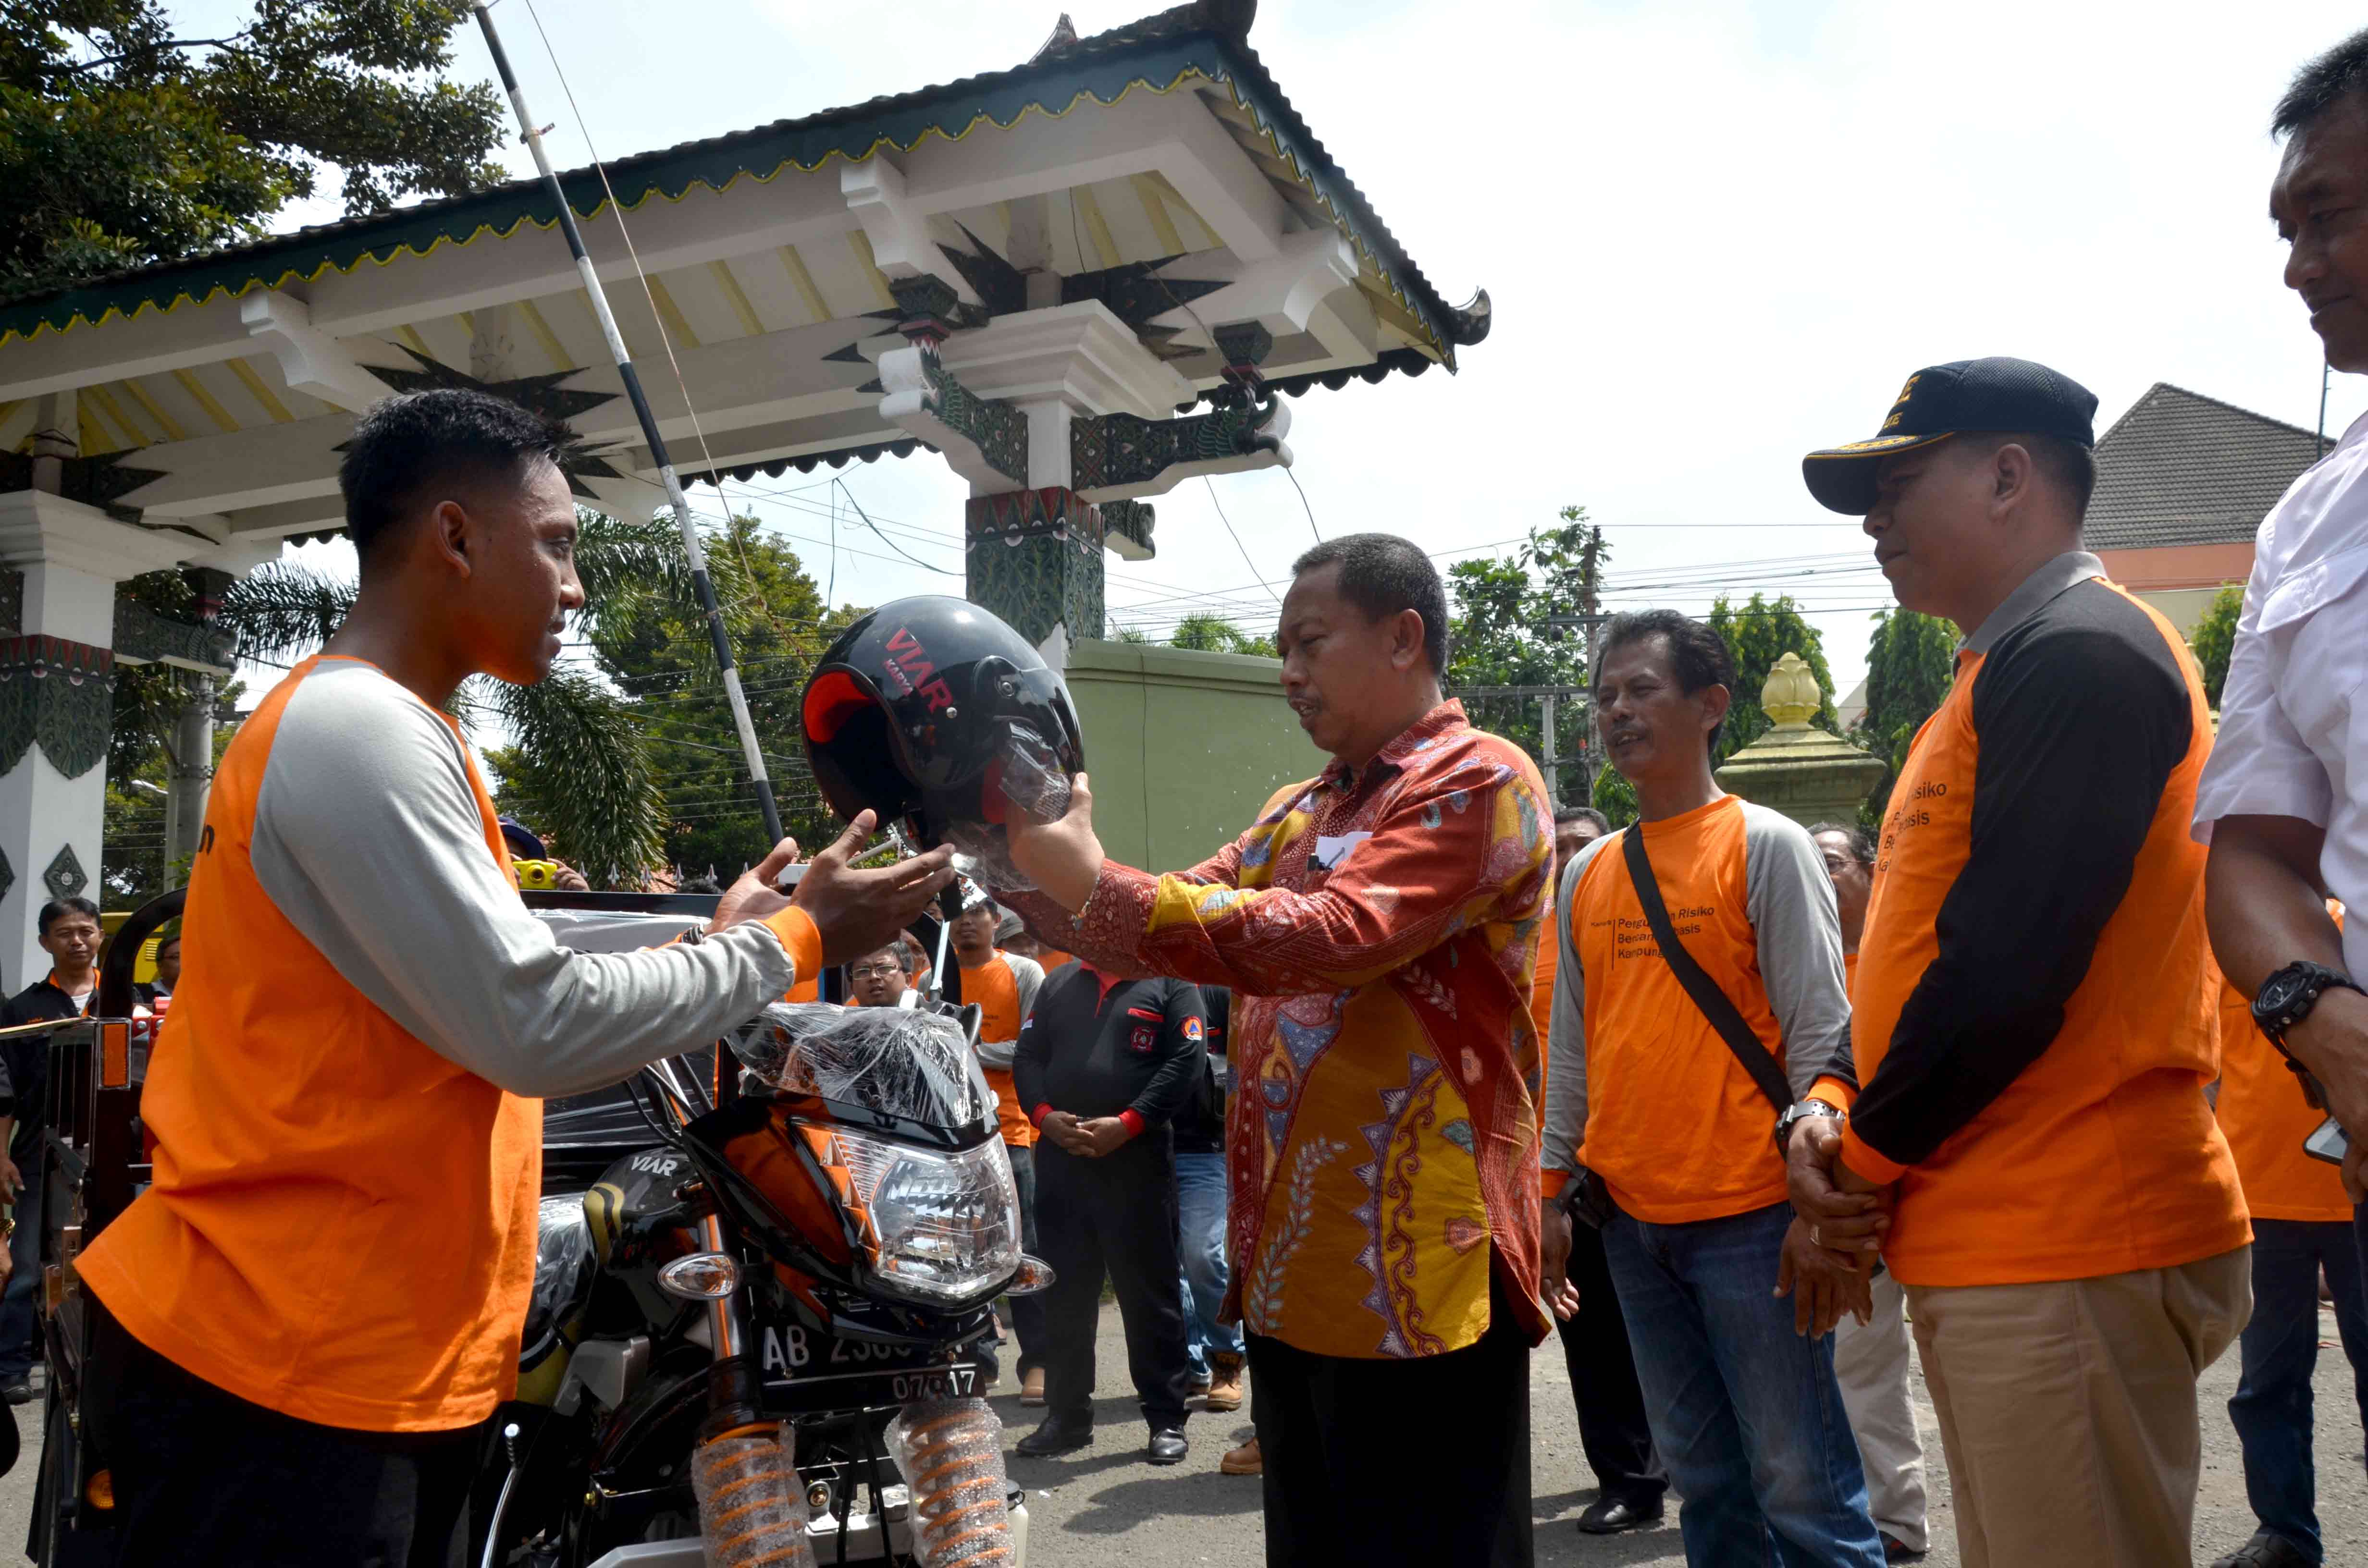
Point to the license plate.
(806, 1369)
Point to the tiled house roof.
(2179, 468)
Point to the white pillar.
(72, 556)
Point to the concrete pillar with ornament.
(63, 559)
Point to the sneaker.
(1224, 1390)
(1055, 1437)
(1167, 1446)
(1031, 1386)
(1244, 1461)
(19, 1391)
(1897, 1550)
(2265, 1551)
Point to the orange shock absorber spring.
(950, 1453)
(751, 1512)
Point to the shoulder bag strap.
(1706, 994)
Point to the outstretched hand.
(1064, 857)
(862, 912)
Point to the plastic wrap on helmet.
(1030, 776)
(899, 1061)
(562, 1271)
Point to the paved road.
(1104, 1506)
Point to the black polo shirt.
(27, 1060)
(1095, 1046)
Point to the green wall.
(1183, 747)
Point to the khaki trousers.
(2067, 1409)
(1871, 1364)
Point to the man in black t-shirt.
(1215, 1347)
(1102, 1067)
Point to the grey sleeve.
(368, 838)
(1790, 902)
(1564, 1126)
(1029, 976)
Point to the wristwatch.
(2285, 1000)
(1799, 1112)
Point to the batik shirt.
(1379, 928)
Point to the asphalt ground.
(1104, 1506)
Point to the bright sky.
(1717, 234)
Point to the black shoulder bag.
(1713, 1002)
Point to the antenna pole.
(693, 549)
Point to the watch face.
(2281, 992)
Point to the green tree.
(1910, 661)
(1757, 635)
(649, 642)
(2215, 639)
(1525, 619)
(1208, 633)
(123, 141)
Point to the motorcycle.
(761, 1323)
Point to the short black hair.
(172, 939)
(1697, 654)
(57, 909)
(1383, 574)
(2321, 84)
(2067, 465)
(406, 444)
(1569, 815)
(1861, 841)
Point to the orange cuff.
(1835, 1093)
(1860, 1156)
(796, 929)
(1551, 1183)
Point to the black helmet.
(924, 708)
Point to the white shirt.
(2294, 720)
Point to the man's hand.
(1064, 857)
(1842, 1212)
(2333, 1043)
(567, 879)
(1554, 1287)
(856, 912)
(12, 1181)
(1061, 1128)
(1822, 1284)
(1103, 1135)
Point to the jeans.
(1201, 1207)
(1027, 1311)
(1613, 1428)
(19, 1347)
(2272, 1407)
(1745, 1412)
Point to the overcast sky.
(1716, 235)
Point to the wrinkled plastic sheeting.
(752, 1512)
(950, 1453)
(1030, 776)
(900, 1061)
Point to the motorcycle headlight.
(941, 1230)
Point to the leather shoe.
(19, 1391)
(1055, 1437)
(2265, 1551)
(1615, 1516)
(1168, 1447)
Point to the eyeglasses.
(874, 971)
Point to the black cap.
(1995, 396)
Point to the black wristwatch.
(1798, 1113)
(2286, 999)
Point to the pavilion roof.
(1194, 44)
(2183, 469)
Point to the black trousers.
(1116, 1213)
(1404, 1461)
(1612, 1426)
(204, 1478)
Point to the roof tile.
(2181, 469)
